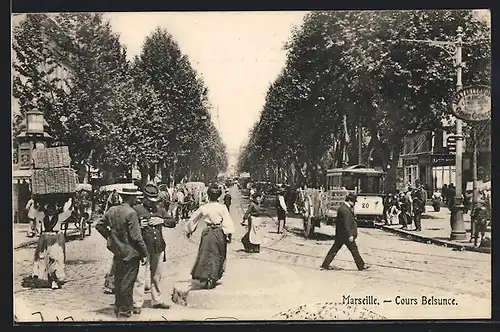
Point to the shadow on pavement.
(80, 261)
(317, 236)
(109, 311)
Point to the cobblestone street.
(400, 267)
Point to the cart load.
(55, 183)
(52, 173)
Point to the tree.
(350, 71)
(166, 70)
(35, 61)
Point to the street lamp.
(454, 49)
(457, 213)
(34, 122)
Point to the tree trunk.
(165, 174)
(391, 178)
(81, 171)
(144, 175)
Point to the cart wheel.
(82, 228)
(308, 220)
(309, 228)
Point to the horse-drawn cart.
(81, 217)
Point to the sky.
(238, 54)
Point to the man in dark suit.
(120, 226)
(346, 232)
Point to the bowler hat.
(129, 192)
(151, 192)
(351, 197)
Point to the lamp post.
(457, 225)
(454, 49)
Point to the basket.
(54, 181)
(52, 157)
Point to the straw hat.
(129, 192)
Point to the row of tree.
(352, 72)
(113, 113)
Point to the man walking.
(346, 232)
(120, 226)
(281, 211)
(227, 200)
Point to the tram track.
(285, 240)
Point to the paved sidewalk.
(436, 229)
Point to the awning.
(21, 174)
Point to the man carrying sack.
(152, 217)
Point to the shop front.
(433, 170)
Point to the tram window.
(349, 182)
(333, 181)
(370, 185)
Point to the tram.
(320, 206)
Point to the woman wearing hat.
(210, 262)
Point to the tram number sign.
(365, 205)
(472, 103)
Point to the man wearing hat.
(152, 215)
(120, 226)
(346, 232)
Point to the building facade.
(427, 158)
(430, 158)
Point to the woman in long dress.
(210, 262)
(50, 253)
(251, 241)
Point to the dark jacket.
(120, 226)
(252, 211)
(152, 235)
(346, 223)
(227, 199)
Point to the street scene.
(247, 166)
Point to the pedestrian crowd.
(406, 208)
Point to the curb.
(425, 239)
(35, 241)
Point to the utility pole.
(474, 176)
(458, 227)
(360, 146)
(454, 48)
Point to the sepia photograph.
(251, 166)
